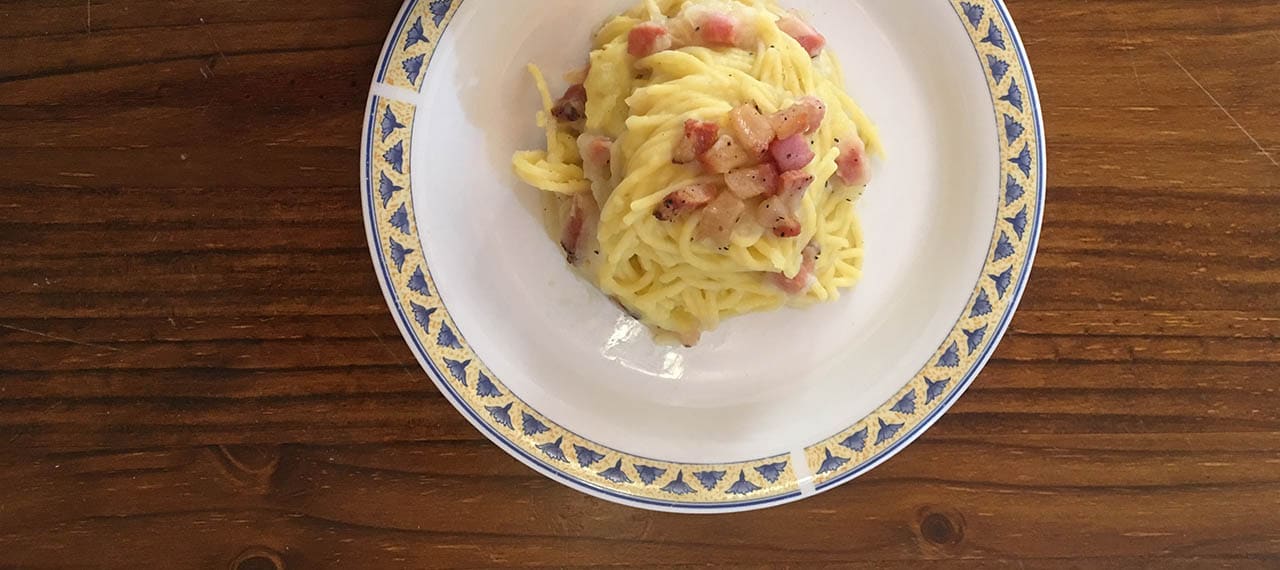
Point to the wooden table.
(197, 369)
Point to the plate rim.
(389, 91)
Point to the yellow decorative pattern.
(1012, 244)
(415, 40)
(538, 440)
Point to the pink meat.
(778, 217)
(647, 39)
(805, 278)
(685, 200)
(597, 153)
(699, 137)
(572, 106)
(718, 30)
(792, 186)
(725, 155)
(803, 117)
(761, 180)
(851, 165)
(719, 219)
(584, 214)
(791, 153)
(752, 129)
(809, 38)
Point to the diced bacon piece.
(792, 186)
(699, 137)
(791, 153)
(802, 117)
(809, 38)
(720, 217)
(685, 200)
(778, 217)
(851, 165)
(597, 153)
(725, 156)
(584, 214)
(647, 39)
(572, 106)
(755, 181)
(751, 128)
(805, 278)
(717, 29)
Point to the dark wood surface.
(197, 369)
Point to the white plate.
(770, 408)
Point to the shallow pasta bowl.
(770, 408)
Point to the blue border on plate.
(455, 399)
(390, 48)
(923, 425)
(1042, 172)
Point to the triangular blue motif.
(935, 389)
(772, 471)
(389, 124)
(413, 67)
(616, 474)
(446, 338)
(422, 315)
(500, 414)
(586, 457)
(1019, 222)
(887, 431)
(458, 369)
(400, 220)
(907, 405)
(973, 338)
(742, 486)
(1023, 160)
(418, 283)
(857, 441)
(1002, 281)
(1012, 190)
(531, 426)
(438, 9)
(1012, 129)
(709, 479)
(649, 474)
(950, 358)
(1004, 248)
(1014, 97)
(553, 450)
(387, 189)
(972, 13)
(831, 463)
(416, 35)
(981, 305)
(398, 253)
(395, 157)
(994, 36)
(485, 387)
(679, 487)
(998, 68)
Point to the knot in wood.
(258, 558)
(252, 465)
(941, 529)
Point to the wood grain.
(197, 369)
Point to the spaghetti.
(706, 164)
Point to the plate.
(769, 408)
